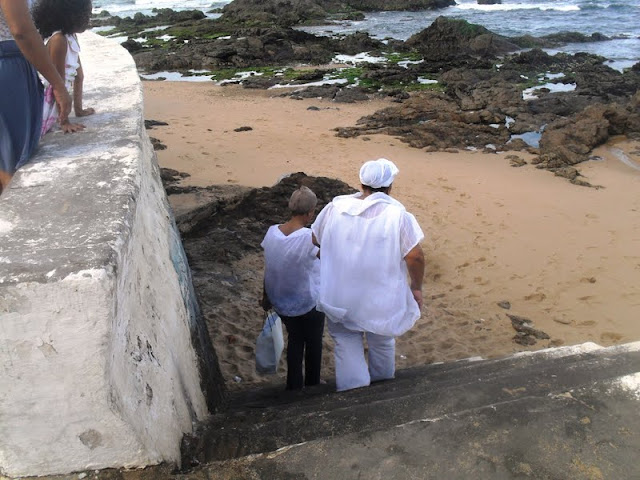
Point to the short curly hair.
(66, 16)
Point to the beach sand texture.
(564, 256)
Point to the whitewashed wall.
(104, 361)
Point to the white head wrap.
(378, 173)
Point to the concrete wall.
(104, 359)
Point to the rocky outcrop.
(288, 13)
(253, 48)
(489, 2)
(568, 141)
(448, 38)
(284, 13)
(435, 121)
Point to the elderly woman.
(292, 269)
(22, 52)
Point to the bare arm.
(58, 50)
(77, 94)
(415, 265)
(315, 242)
(265, 303)
(30, 43)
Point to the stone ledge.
(105, 361)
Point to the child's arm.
(57, 46)
(77, 94)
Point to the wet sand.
(564, 256)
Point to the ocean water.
(618, 19)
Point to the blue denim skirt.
(21, 100)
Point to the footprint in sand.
(538, 297)
(610, 337)
(588, 280)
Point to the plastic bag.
(269, 345)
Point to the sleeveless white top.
(5, 33)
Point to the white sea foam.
(529, 93)
(624, 158)
(145, 6)
(334, 81)
(358, 58)
(175, 77)
(406, 63)
(517, 6)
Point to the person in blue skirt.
(22, 55)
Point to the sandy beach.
(565, 257)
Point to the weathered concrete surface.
(104, 361)
(554, 414)
(566, 413)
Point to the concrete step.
(269, 419)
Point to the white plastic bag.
(269, 345)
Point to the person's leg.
(351, 366)
(313, 330)
(295, 350)
(382, 356)
(5, 178)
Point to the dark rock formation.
(237, 223)
(568, 141)
(253, 48)
(162, 16)
(489, 2)
(525, 333)
(434, 120)
(287, 13)
(448, 38)
(284, 13)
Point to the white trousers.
(352, 370)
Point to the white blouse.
(291, 272)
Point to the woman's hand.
(417, 296)
(265, 303)
(63, 101)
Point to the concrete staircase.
(566, 413)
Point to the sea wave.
(605, 6)
(502, 7)
(132, 6)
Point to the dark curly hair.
(66, 16)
